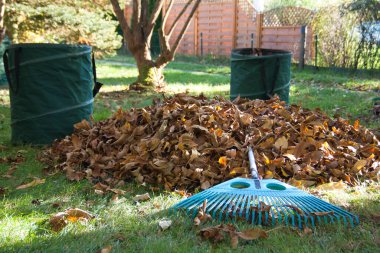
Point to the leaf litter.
(191, 142)
(59, 220)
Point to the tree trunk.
(150, 76)
(2, 28)
(138, 34)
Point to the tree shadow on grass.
(174, 77)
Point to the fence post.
(196, 16)
(301, 59)
(252, 40)
(316, 51)
(235, 22)
(201, 44)
(259, 29)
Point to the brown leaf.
(11, 170)
(106, 249)
(281, 143)
(213, 233)
(60, 220)
(35, 182)
(77, 143)
(296, 209)
(321, 213)
(234, 240)
(205, 185)
(84, 124)
(359, 165)
(142, 197)
(252, 234)
(79, 213)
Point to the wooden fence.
(221, 25)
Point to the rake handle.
(252, 164)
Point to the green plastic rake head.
(265, 202)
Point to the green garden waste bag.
(51, 89)
(260, 73)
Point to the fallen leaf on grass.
(11, 170)
(36, 202)
(202, 216)
(183, 193)
(60, 220)
(252, 234)
(165, 224)
(217, 234)
(107, 249)
(35, 182)
(142, 197)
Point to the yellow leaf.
(72, 218)
(31, 184)
(359, 165)
(238, 170)
(356, 124)
(219, 132)
(268, 174)
(266, 159)
(284, 172)
(223, 161)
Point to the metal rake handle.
(252, 164)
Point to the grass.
(128, 227)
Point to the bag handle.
(97, 85)
(13, 86)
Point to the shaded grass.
(129, 227)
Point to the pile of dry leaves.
(188, 142)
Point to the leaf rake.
(264, 202)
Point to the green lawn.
(128, 227)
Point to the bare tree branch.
(120, 16)
(154, 15)
(136, 14)
(165, 18)
(178, 18)
(184, 28)
(144, 12)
